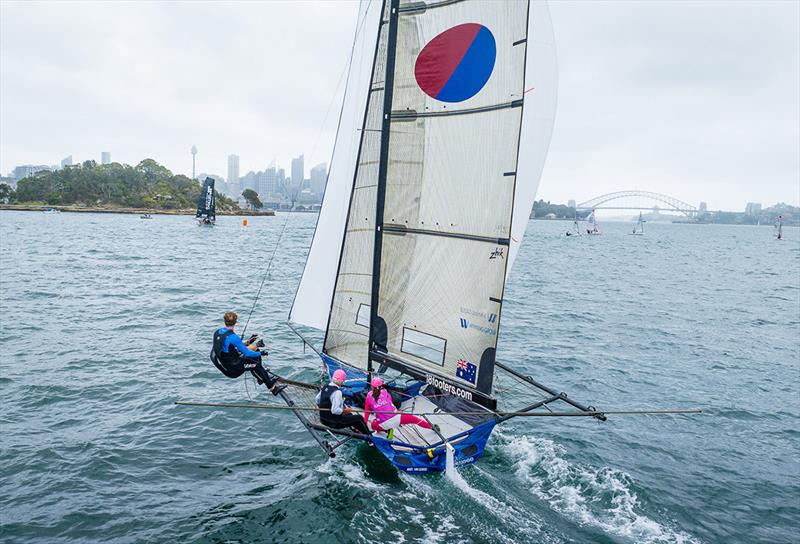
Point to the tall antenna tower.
(194, 154)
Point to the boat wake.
(597, 497)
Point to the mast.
(383, 167)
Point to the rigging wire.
(269, 267)
(346, 70)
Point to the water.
(106, 321)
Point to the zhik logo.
(497, 254)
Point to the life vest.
(325, 403)
(228, 362)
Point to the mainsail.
(430, 230)
(206, 203)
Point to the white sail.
(538, 116)
(313, 298)
(347, 334)
(314, 294)
(458, 165)
(457, 107)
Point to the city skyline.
(708, 117)
(270, 182)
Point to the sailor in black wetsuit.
(333, 413)
(232, 357)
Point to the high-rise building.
(219, 182)
(571, 203)
(319, 176)
(298, 173)
(703, 207)
(105, 157)
(66, 161)
(268, 187)
(233, 175)
(21, 172)
(280, 183)
(752, 208)
(249, 181)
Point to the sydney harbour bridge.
(638, 200)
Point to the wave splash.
(598, 497)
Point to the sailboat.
(591, 225)
(638, 228)
(206, 205)
(436, 164)
(576, 229)
(779, 228)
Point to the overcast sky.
(698, 100)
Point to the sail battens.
(402, 231)
(420, 7)
(453, 170)
(443, 170)
(413, 115)
(438, 198)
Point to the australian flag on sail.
(466, 371)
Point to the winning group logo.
(455, 65)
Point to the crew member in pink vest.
(379, 403)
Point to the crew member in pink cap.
(333, 413)
(379, 403)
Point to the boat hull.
(412, 458)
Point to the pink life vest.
(383, 404)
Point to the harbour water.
(106, 322)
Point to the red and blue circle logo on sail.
(456, 64)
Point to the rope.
(346, 70)
(269, 267)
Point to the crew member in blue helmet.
(232, 357)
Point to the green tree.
(6, 193)
(252, 198)
(148, 184)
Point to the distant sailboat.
(592, 228)
(576, 229)
(638, 228)
(779, 228)
(207, 205)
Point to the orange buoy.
(244, 222)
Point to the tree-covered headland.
(146, 185)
